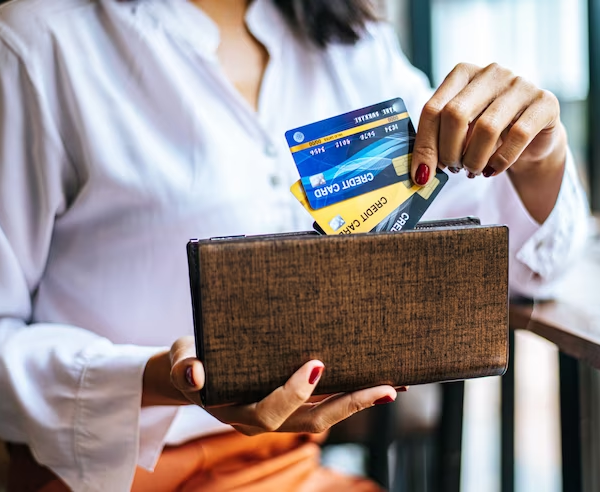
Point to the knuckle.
(354, 406)
(549, 98)
(488, 127)
(493, 68)
(519, 82)
(318, 425)
(267, 421)
(455, 113)
(296, 394)
(464, 68)
(181, 345)
(427, 153)
(499, 73)
(520, 133)
(498, 70)
(299, 396)
(501, 162)
(431, 111)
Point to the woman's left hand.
(487, 121)
(176, 377)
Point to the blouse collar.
(187, 21)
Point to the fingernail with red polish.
(422, 175)
(488, 171)
(470, 175)
(385, 399)
(315, 375)
(403, 389)
(189, 376)
(454, 170)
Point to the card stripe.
(349, 132)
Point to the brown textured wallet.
(380, 308)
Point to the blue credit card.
(353, 153)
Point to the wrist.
(538, 181)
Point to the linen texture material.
(389, 308)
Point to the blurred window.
(543, 40)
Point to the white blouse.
(120, 139)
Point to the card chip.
(402, 164)
(317, 180)
(429, 189)
(337, 222)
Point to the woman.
(127, 127)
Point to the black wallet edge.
(194, 273)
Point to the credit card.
(353, 153)
(395, 207)
(408, 214)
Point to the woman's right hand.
(287, 409)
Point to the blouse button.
(270, 150)
(275, 180)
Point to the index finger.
(425, 155)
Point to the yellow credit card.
(361, 213)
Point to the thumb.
(187, 372)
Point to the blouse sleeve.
(541, 253)
(72, 396)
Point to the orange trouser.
(220, 463)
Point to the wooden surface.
(375, 308)
(572, 321)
